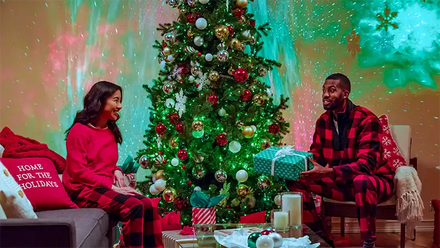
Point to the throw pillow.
(13, 201)
(39, 180)
(391, 150)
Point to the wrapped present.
(284, 162)
(203, 211)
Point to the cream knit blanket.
(409, 209)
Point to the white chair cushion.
(402, 136)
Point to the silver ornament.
(198, 41)
(173, 3)
(221, 176)
(223, 56)
(167, 88)
(191, 2)
(277, 239)
(168, 37)
(196, 70)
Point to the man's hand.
(318, 171)
(125, 190)
(119, 177)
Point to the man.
(348, 160)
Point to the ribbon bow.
(283, 152)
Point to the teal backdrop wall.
(53, 51)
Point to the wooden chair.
(385, 210)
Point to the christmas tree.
(211, 112)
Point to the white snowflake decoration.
(397, 163)
(396, 151)
(386, 129)
(386, 153)
(180, 103)
(202, 80)
(386, 141)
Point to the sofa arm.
(37, 233)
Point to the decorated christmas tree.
(211, 112)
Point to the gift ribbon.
(283, 152)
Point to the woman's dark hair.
(94, 103)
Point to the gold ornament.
(262, 71)
(231, 71)
(265, 144)
(197, 125)
(172, 142)
(169, 194)
(221, 32)
(166, 51)
(159, 175)
(143, 161)
(242, 3)
(263, 181)
(214, 76)
(235, 43)
(189, 33)
(279, 116)
(248, 132)
(258, 99)
(242, 190)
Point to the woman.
(92, 153)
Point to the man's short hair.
(343, 80)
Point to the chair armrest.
(37, 233)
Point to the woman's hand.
(119, 177)
(125, 190)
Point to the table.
(204, 235)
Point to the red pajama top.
(92, 155)
(352, 147)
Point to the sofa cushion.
(91, 224)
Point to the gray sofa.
(60, 228)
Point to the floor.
(423, 240)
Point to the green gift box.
(284, 162)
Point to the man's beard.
(334, 105)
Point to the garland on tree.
(211, 112)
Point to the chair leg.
(342, 226)
(414, 238)
(402, 236)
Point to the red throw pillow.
(391, 150)
(39, 180)
(436, 206)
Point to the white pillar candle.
(280, 219)
(292, 203)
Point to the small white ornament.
(234, 146)
(153, 190)
(191, 78)
(170, 103)
(162, 65)
(170, 58)
(264, 242)
(254, 128)
(197, 188)
(174, 162)
(277, 200)
(277, 239)
(241, 176)
(222, 112)
(209, 57)
(247, 34)
(160, 185)
(201, 23)
(198, 41)
(204, 1)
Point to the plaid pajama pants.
(141, 223)
(366, 191)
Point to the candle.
(280, 219)
(292, 203)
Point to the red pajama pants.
(141, 222)
(366, 191)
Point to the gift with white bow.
(284, 162)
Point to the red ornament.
(174, 118)
(213, 99)
(246, 95)
(240, 75)
(191, 18)
(199, 54)
(231, 30)
(274, 128)
(182, 154)
(237, 12)
(164, 44)
(160, 129)
(266, 232)
(252, 23)
(221, 139)
(182, 69)
(180, 204)
(189, 183)
(183, 167)
(159, 152)
(179, 127)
